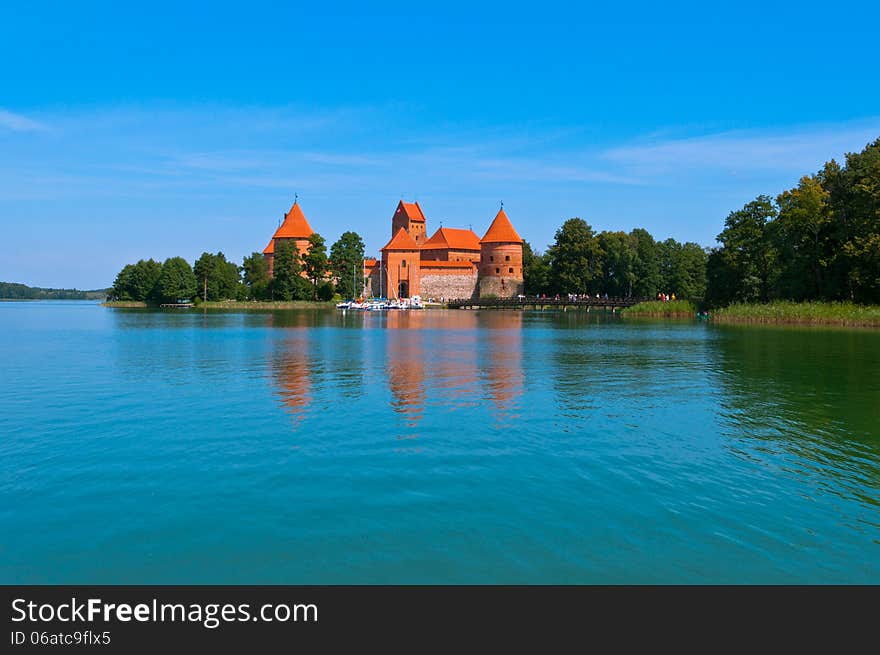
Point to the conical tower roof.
(501, 230)
(295, 225)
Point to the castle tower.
(400, 266)
(296, 229)
(501, 259)
(411, 218)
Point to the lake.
(316, 446)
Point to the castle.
(452, 263)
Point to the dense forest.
(817, 241)
(15, 291)
(622, 264)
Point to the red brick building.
(452, 263)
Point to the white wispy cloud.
(126, 149)
(801, 149)
(18, 123)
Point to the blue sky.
(153, 130)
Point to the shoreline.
(227, 304)
(794, 314)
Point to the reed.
(784, 311)
(671, 309)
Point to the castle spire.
(501, 230)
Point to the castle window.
(507, 259)
(403, 264)
(497, 270)
(510, 270)
(491, 258)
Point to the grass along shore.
(656, 308)
(233, 304)
(802, 313)
(778, 312)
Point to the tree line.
(621, 264)
(16, 291)
(817, 241)
(306, 276)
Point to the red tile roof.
(295, 225)
(270, 249)
(370, 263)
(401, 241)
(447, 238)
(412, 210)
(501, 231)
(427, 263)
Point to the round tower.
(294, 229)
(501, 260)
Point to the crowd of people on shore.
(662, 297)
(569, 296)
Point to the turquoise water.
(433, 447)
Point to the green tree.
(858, 202)
(747, 252)
(122, 285)
(287, 279)
(315, 262)
(575, 258)
(646, 266)
(689, 272)
(721, 279)
(218, 277)
(255, 270)
(137, 282)
(802, 233)
(146, 279)
(326, 290)
(536, 271)
(667, 254)
(347, 262)
(618, 263)
(838, 284)
(177, 281)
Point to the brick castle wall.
(448, 286)
(503, 287)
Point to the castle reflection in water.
(445, 359)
